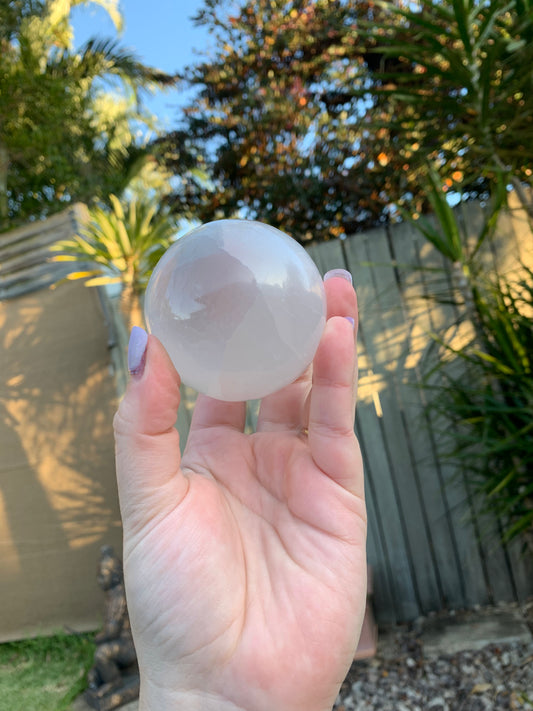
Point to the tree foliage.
(262, 122)
(66, 116)
(452, 82)
(320, 116)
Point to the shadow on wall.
(58, 499)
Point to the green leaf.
(523, 524)
(461, 18)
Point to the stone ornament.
(114, 677)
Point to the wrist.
(162, 698)
(156, 699)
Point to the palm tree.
(66, 116)
(121, 246)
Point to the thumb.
(146, 443)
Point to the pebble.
(498, 677)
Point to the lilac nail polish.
(137, 351)
(351, 320)
(341, 273)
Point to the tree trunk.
(131, 307)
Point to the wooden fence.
(427, 544)
(25, 254)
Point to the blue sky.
(161, 34)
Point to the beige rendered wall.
(58, 499)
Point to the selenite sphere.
(240, 308)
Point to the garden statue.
(114, 678)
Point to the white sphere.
(240, 308)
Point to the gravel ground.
(497, 677)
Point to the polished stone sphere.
(240, 308)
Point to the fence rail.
(25, 254)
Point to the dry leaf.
(481, 688)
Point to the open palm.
(245, 562)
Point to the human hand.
(244, 561)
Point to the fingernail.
(137, 351)
(351, 320)
(341, 273)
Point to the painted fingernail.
(137, 351)
(342, 273)
(351, 320)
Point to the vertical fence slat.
(472, 218)
(522, 229)
(508, 237)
